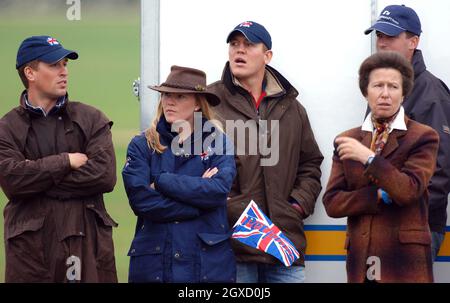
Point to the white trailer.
(318, 46)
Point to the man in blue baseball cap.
(396, 19)
(56, 161)
(398, 28)
(253, 32)
(284, 182)
(42, 48)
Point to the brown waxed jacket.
(296, 174)
(398, 233)
(55, 212)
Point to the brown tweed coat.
(398, 234)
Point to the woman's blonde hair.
(152, 134)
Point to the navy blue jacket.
(429, 103)
(182, 234)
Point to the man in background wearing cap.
(253, 92)
(398, 29)
(56, 161)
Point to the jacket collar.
(277, 85)
(167, 135)
(270, 85)
(21, 126)
(418, 63)
(164, 130)
(25, 103)
(398, 123)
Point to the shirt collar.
(398, 123)
(39, 110)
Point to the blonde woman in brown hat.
(177, 177)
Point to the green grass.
(109, 48)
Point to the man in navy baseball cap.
(398, 28)
(42, 48)
(396, 19)
(252, 90)
(254, 32)
(56, 161)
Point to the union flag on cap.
(246, 24)
(52, 41)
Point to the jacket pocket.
(217, 261)
(285, 204)
(288, 220)
(146, 259)
(414, 237)
(16, 229)
(102, 215)
(25, 250)
(104, 246)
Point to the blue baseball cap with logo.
(254, 32)
(396, 19)
(43, 48)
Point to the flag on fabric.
(255, 229)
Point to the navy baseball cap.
(254, 32)
(43, 48)
(396, 19)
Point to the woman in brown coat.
(379, 180)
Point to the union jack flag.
(246, 24)
(255, 229)
(52, 41)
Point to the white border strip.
(150, 59)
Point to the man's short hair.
(21, 70)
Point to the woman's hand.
(351, 149)
(210, 172)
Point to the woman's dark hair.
(387, 59)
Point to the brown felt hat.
(186, 80)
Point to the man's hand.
(299, 209)
(77, 160)
(351, 149)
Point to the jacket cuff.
(378, 167)
(300, 201)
